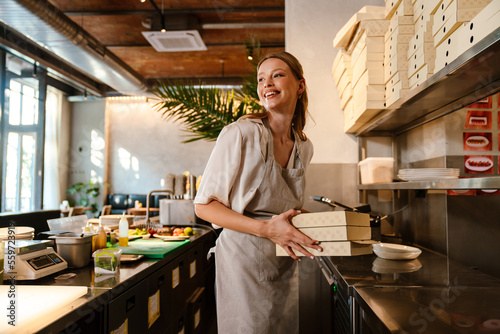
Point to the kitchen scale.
(31, 259)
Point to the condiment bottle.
(123, 235)
(89, 230)
(101, 239)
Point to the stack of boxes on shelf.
(340, 233)
(385, 52)
(459, 24)
(362, 52)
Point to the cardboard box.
(420, 76)
(345, 80)
(398, 8)
(404, 29)
(401, 50)
(364, 91)
(394, 65)
(338, 233)
(396, 92)
(400, 20)
(344, 37)
(376, 170)
(483, 24)
(367, 44)
(331, 218)
(400, 76)
(335, 248)
(346, 96)
(425, 55)
(447, 51)
(422, 35)
(451, 19)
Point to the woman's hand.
(282, 232)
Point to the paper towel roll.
(180, 185)
(170, 183)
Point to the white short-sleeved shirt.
(236, 166)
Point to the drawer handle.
(161, 280)
(130, 303)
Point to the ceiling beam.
(177, 11)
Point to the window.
(22, 139)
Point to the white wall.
(311, 26)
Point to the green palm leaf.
(204, 111)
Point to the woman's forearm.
(218, 214)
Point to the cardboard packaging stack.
(341, 233)
(362, 40)
(459, 24)
(397, 38)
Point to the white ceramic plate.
(383, 266)
(395, 248)
(396, 256)
(171, 238)
(17, 231)
(487, 161)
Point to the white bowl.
(397, 256)
(395, 248)
(18, 231)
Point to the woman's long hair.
(300, 114)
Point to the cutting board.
(35, 305)
(152, 248)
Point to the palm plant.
(206, 110)
(203, 110)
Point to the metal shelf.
(492, 182)
(472, 76)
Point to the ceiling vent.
(175, 41)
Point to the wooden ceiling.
(227, 28)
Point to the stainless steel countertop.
(431, 294)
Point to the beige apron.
(257, 292)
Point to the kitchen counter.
(101, 290)
(427, 295)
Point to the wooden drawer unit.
(128, 313)
(197, 312)
(160, 298)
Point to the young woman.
(252, 186)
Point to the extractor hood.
(49, 28)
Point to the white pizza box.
(404, 29)
(335, 248)
(395, 93)
(400, 76)
(337, 233)
(344, 36)
(373, 70)
(450, 20)
(394, 65)
(425, 55)
(367, 44)
(345, 79)
(363, 90)
(345, 96)
(447, 51)
(483, 24)
(400, 20)
(364, 111)
(423, 8)
(400, 58)
(341, 63)
(399, 51)
(398, 8)
(423, 34)
(420, 76)
(331, 218)
(348, 110)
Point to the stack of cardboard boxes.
(385, 52)
(341, 233)
(362, 42)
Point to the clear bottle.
(101, 238)
(123, 235)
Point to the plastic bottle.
(101, 239)
(89, 230)
(123, 235)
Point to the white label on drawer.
(153, 308)
(181, 331)
(197, 317)
(123, 329)
(192, 269)
(176, 279)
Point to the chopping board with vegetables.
(151, 248)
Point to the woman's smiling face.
(278, 88)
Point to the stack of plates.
(425, 174)
(395, 251)
(17, 233)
